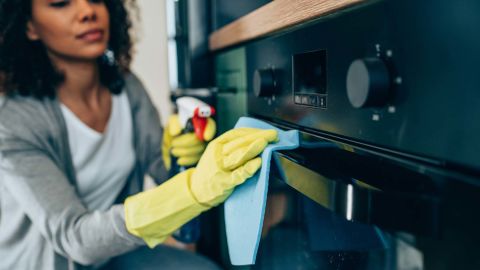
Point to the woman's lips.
(92, 35)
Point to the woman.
(77, 135)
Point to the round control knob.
(368, 83)
(263, 82)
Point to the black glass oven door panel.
(345, 208)
(311, 237)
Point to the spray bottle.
(193, 114)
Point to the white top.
(102, 161)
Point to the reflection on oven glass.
(301, 234)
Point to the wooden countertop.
(272, 17)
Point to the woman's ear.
(32, 31)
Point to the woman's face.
(72, 29)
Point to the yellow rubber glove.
(227, 162)
(187, 148)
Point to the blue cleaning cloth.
(245, 208)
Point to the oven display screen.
(309, 73)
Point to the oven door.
(332, 205)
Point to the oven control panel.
(382, 74)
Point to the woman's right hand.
(227, 162)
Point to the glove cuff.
(155, 214)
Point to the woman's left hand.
(186, 148)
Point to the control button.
(264, 82)
(323, 102)
(298, 99)
(314, 101)
(305, 100)
(368, 83)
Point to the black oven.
(387, 98)
(337, 206)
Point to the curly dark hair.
(25, 68)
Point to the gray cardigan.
(43, 223)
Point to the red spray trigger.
(199, 120)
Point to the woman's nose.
(86, 12)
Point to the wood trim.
(272, 17)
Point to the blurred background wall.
(150, 61)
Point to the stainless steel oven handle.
(355, 200)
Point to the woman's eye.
(96, 1)
(59, 4)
